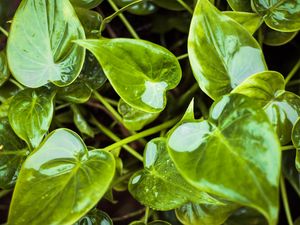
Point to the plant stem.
(147, 215)
(129, 215)
(108, 106)
(112, 136)
(285, 201)
(188, 95)
(142, 134)
(293, 72)
(4, 31)
(23, 152)
(124, 20)
(184, 5)
(287, 147)
(4, 192)
(182, 56)
(62, 106)
(112, 102)
(16, 83)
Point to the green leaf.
(278, 14)
(90, 20)
(277, 38)
(191, 213)
(157, 222)
(135, 119)
(237, 133)
(250, 21)
(159, 185)
(40, 48)
(222, 53)
(8, 90)
(140, 72)
(282, 107)
(60, 181)
(95, 217)
(88, 4)
(80, 122)
(4, 71)
(91, 78)
(246, 216)
(296, 142)
(240, 5)
(10, 154)
(30, 114)
(143, 8)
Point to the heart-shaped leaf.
(30, 114)
(12, 153)
(221, 51)
(277, 38)
(91, 78)
(159, 185)
(237, 128)
(43, 51)
(4, 71)
(278, 14)
(135, 119)
(88, 4)
(240, 5)
(140, 72)
(191, 214)
(296, 142)
(60, 168)
(95, 217)
(282, 107)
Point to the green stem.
(260, 37)
(112, 136)
(184, 5)
(285, 201)
(4, 192)
(129, 215)
(188, 95)
(142, 134)
(62, 106)
(293, 82)
(182, 56)
(4, 31)
(23, 152)
(16, 83)
(112, 102)
(124, 20)
(118, 12)
(287, 147)
(108, 106)
(293, 72)
(146, 215)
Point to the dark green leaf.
(222, 53)
(40, 48)
(296, 142)
(10, 155)
(135, 119)
(236, 129)
(30, 114)
(282, 107)
(191, 214)
(159, 185)
(157, 222)
(143, 8)
(277, 38)
(88, 4)
(60, 181)
(281, 15)
(95, 217)
(80, 122)
(171, 4)
(140, 72)
(246, 216)
(240, 5)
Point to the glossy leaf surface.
(135, 119)
(95, 217)
(282, 107)
(236, 129)
(246, 216)
(61, 167)
(240, 5)
(80, 122)
(279, 15)
(89, 4)
(191, 214)
(296, 142)
(4, 71)
(250, 21)
(277, 38)
(157, 222)
(44, 51)
(143, 8)
(222, 53)
(10, 157)
(140, 72)
(30, 114)
(91, 78)
(159, 185)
